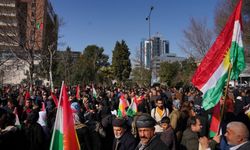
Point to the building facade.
(27, 24)
(154, 47)
(9, 30)
(155, 51)
(156, 63)
(27, 29)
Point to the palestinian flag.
(211, 75)
(64, 135)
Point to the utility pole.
(148, 19)
(149, 39)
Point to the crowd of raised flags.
(223, 62)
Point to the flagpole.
(60, 96)
(225, 97)
(58, 106)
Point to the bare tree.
(197, 39)
(25, 31)
(224, 10)
(137, 60)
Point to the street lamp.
(148, 18)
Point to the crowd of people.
(166, 118)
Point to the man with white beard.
(123, 140)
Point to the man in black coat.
(35, 136)
(148, 139)
(124, 140)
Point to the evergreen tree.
(141, 76)
(121, 62)
(177, 72)
(89, 64)
(169, 72)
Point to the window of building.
(33, 4)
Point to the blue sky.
(103, 22)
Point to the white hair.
(239, 128)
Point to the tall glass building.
(155, 47)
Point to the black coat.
(245, 146)
(155, 144)
(190, 140)
(126, 142)
(83, 136)
(35, 137)
(12, 139)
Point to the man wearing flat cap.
(148, 139)
(123, 140)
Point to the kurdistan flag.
(132, 109)
(215, 121)
(64, 135)
(123, 104)
(211, 75)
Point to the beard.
(118, 136)
(144, 140)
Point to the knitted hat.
(119, 122)
(145, 121)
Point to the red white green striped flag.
(78, 92)
(123, 104)
(132, 109)
(215, 121)
(54, 98)
(211, 75)
(64, 135)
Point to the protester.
(168, 135)
(237, 136)
(190, 138)
(81, 129)
(124, 140)
(158, 113)
(175, 114)
(95, 123)
(36, 138)
(148, 139)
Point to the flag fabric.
(211, 75)
(17, 122)
(39, 26)
(78, 92)
(94, 92)
(27, 95)
(123, 104)
(53, 96)
(132, 109)
(139, 100)
(64, 135)
(215, 121)
(43, 106)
